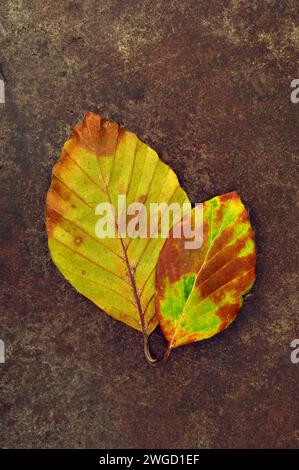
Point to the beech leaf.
(200, 291)
(100, 162)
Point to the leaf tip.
(97, 134)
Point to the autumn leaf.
(100, 162)
(200, 291)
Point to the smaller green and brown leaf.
(200, 291)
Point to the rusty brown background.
(207, 84)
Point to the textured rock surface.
(207, 84)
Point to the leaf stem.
(167, 353)
(150, 359)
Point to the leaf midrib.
(129, 267)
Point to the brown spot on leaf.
(227, 314)
(228, 196)
(78, 240)
(243, 216)
(52, 219)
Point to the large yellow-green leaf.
(98, 163)
(200, 291)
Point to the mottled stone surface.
(207, 84)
